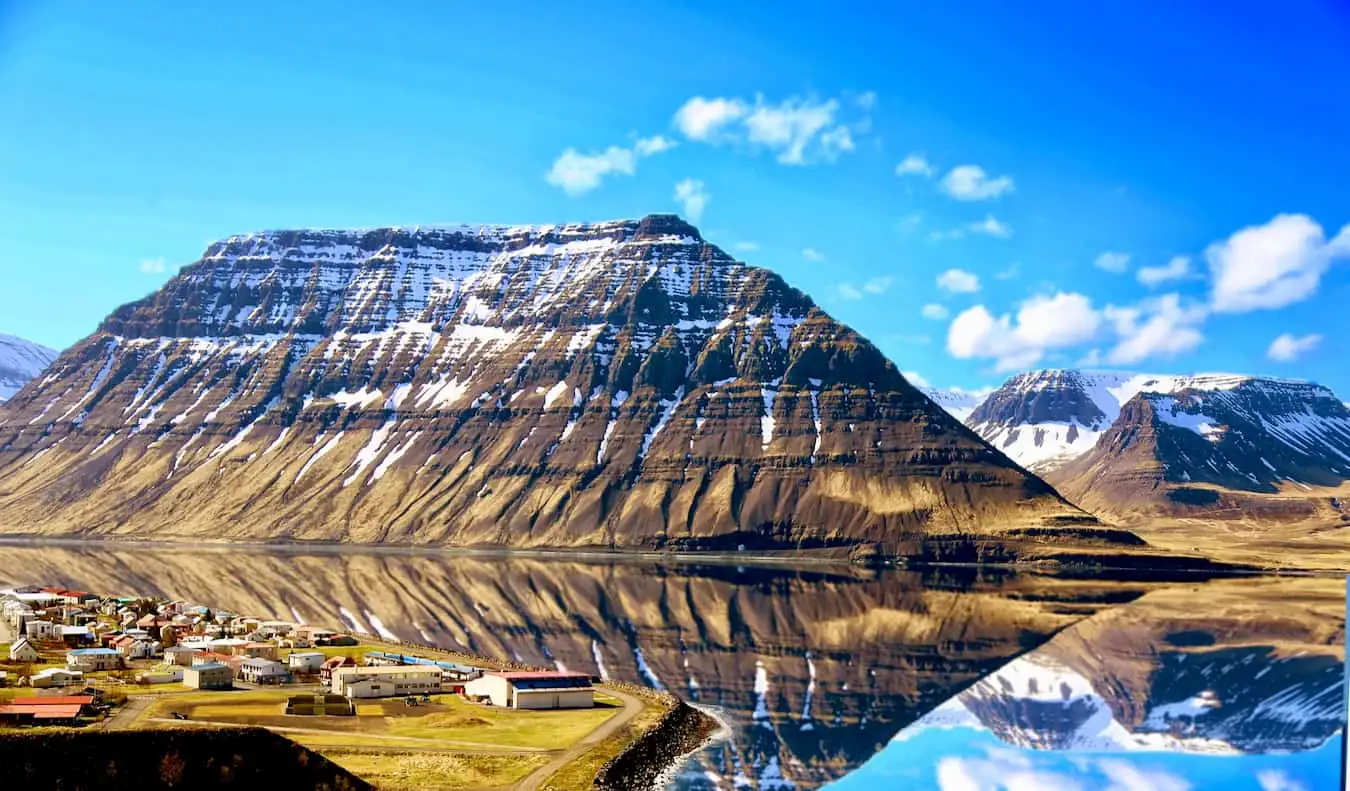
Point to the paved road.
(611, 726)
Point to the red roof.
(55, 700)
(43, 712)
(538, 675)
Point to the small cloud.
(746, 247)
(647, 146)
(990, 226)
(915, 164)
(692, 197)
(867, 100)
(878, 285)
(958, 281)
(915, 378)
(972, 183)
(1112, 262)
(152, 266)
(1013, 270)
(812, 254)
(576, 173)
(935, 312)
(909, 222)
(1176, 269)
(1287, 347)
(703, 119)
(848, 291)
(1277, 780)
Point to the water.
(816, 670)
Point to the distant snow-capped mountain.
(957, 402)
(20, 361)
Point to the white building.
(385, 682)
(305, 661)
(56, 677)
(87, 659)
(43, 630)
(545, 690)
(22, 651)
(180, 654)
(256, 670)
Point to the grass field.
(402, 771)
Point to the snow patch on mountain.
(20, 361)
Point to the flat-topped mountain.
(20, 361)
(622, 384)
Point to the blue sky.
(966, 160)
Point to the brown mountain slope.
(623, 384)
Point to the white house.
(305, 661)
(385, 682)
(43, 630)
(86, 659)
(56, 677)
(23, 651)
(544, 690)
(256, 670)
(180, 654)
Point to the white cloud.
(812, 254)
(958, 281)
(935, 312)
(702, 119)
(1287, 347)
(971, 183)
(799, 130)
(878, 285)
(990, 226)
(1160, 327)
(1176, 269)
(692, 197)
(915, 378)
(1125, 776)
(576, 173)
(1272, 265)
(909, 222)
(746, 247)
(867, 100)
(875, 286)
(646, 146)
(1112, 262)
(1014, 342)
(1013, 270)
(1276, 780)
(152, 266)
(915, 165)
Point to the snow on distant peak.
(20, 361)
(957, 402)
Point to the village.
(74, 659)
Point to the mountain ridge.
(20, 361)
(499, 386)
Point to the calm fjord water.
(816, 670)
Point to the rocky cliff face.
(1219, 449)
(20, 361)
(622, 384)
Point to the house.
(82, 703)
(42, 630)
(180, 654)
(257, 650)
(55, 677)
(305, 662)
(208, 676)
(23, 651)
(384, 682)
(87, 659)
(542, 690)
(263, 671)
(333, 663)
(164, 675)
(76, 636)
(225, 645)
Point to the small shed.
(208, 676)
(23, 651)
(55, 677)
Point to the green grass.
(402, 771)
(551, 730)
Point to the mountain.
(1235, 448)
(20, 361)
(622, 384)
(957, 402)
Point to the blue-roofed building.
(87, 659)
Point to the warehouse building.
(208, 676)
(384, 682)
(543, 690)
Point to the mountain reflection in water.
(814, 669)
(1234, 684)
